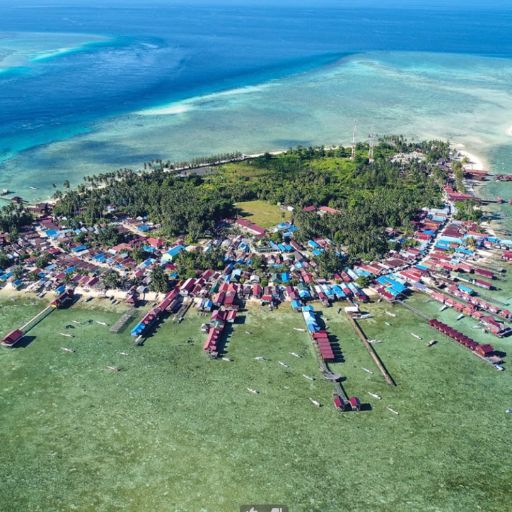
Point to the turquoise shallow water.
(83, 90)
(464, 98)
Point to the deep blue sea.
(88, 89)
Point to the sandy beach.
(476, 161)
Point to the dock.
(324, 354)
(123, 321)
(182, 311)
(14, 337)
(373, 354)
(148, 323)
(417, 312)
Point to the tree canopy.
(370, 196)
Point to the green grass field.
(174, 431)
(262, 213)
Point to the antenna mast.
(371, 146)
(354, 141)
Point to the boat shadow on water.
(25, 341)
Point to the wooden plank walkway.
(36, 319)
(340, 391)
(371, 350)
(121, 323)
(178, 317)
(329, 375)
(414, 310)
(139, 341)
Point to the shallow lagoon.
(161, 86)
(175, 431)
(420, 96)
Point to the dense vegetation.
(159, 282)
(179, 205)
(195, 162)
(468, 210)
(371, 195)
(188, 263)
(13, 217)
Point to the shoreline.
(89, 299)
(477, 161)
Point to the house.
(156, 243)
(355, 403)
(482, 284)
(327, 209)
(484, 350)
(187, 287)
(457, 196)
(485, 273)
(257, 291)
(339, 403)
(12, 338)
(250, 227)
(173, 253)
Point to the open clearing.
(263, 213)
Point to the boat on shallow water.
(12, 338)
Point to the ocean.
(85, 90)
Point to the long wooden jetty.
(121, 323)
(414, 310)
(180, 314)
(340, 391)
(36, 319)
(376, 359)
(331, 376)
(17, 335)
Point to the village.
(453, 262)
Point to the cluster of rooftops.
(440, 258)
(448, 268)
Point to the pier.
(182, 311)
(417, 312)
(324, 353)
(147, 324)
(123, 321)
(376, 359)
(14, 337)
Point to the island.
(346, 276)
